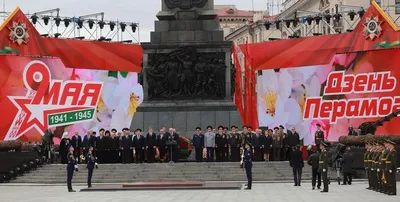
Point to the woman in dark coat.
(65, 141)
(268, 144)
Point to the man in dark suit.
(100, 146)
(175, 148)
(297, 164)
(126, 146)
(313, 161)
(292, 141)
(347, 166)
(162, 144)
(198, 144)
(151, 142)
(76, 142)
(87, 142)
(139, 143)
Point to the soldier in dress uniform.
(277, 144)
(70, 167)
(391, 168)
(139, 143)
(319, 135)
(246, 160)
(285, 148)
(91, 161)
(151, 142)
(114, 148)
(235, 143)
(382, 167)
(375, 171)
(219, 144)
(225, 140)
(323, 165)
(366, 163)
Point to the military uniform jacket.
(218, 140)
(225, 140)
(375, 160)
(235, 140)
(366, 161)
(277, 140)
(247, 158)
(382, 160)
(391, 161)
(319, 136)
(323, 161)
(71, 161)
(90, 161)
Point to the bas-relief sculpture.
(186, 74)
(185, 4)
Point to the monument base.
(185, 115)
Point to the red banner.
(238, 85)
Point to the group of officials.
(223, 145)
(380, 164)
(220, 145)
(113, 147)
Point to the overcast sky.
(142, 11)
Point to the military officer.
(70, 167)
(246, 160)
(390, 167)
(366, 163)
(91, 161)
(323, 165)
(319, 135)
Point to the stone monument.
(187, 72)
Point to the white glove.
(96, 164)
(372, 169)
(379, 170)
(390, 171)
(76, 166)
(323, 170)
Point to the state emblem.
(372, 28)
(19, 33)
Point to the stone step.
(126, 173)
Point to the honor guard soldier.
(391, 168)
(71, 167)
(319, 135)
(382, 167)
(323, 165)
(91, 162)
(375, 170)
(246, 160)
(366, 163)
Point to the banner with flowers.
(352, 89)
(41, 93)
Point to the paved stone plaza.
(273, 192)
